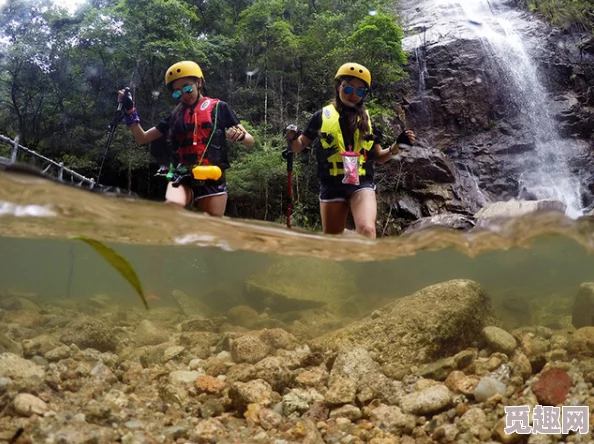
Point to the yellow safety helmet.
(182, 69)
(354, 70)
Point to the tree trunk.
(282, 102)
(298, 99)
(266, 199)
(266, 91)
(130, 175)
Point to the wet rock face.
(435, 322)
(458, 101)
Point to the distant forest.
(272, 60)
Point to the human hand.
(406, 139)
(125, 96)
(291, 132)
(411, 136)
(235, 134)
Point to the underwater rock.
(356, 364)
(488, 387)
(514, 310)
(243, 316)
(88, 332)
(100, 300)
(341, 391)
(582, 314)
(581, 343)
(274, 371)
(12, 366)
(10, 346)
(427, 401)
(299, 284)
(499, 340)
(458, 382)
(172, 352)
(58, 353)
(278, 338)
(190, 306)
(181, 377)
(521, 365)
(552, 387)
(315, 377)
(300, 401)
(249, 349)
(256, 391)
(438, 370)
(26, 404)
(14, 303)
(148, 333)
(435, 322)
(209, 384)
(392, 419)
(40, 345)
(208, 430)
(200, 324)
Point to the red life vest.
(199, 124)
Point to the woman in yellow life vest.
(195, 133)
(348, 145)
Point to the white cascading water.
(546, 173)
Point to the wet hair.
(359, 118)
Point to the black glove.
(291, 132)
(127, 101)
(403, 140)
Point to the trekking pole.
(117, 118)
(288, 156)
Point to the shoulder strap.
(214, 128)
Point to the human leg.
(181, 195)
(213, 205)
(334, 216)
(364, 209)
(211, 197)
(334, 207)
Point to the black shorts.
(207, 188)
(336, 191)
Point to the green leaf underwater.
(118, 262)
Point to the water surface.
(525, 265)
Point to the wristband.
(131, 118)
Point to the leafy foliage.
(565, 13)
(272, 60)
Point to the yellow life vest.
(332, 139)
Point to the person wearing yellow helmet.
(347, 147)
(195, 135)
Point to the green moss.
(565, 13)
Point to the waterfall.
(546, 173)
(421, 57)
